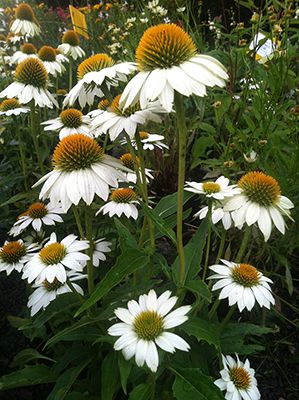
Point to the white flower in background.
(237, 378)
(102, 106)
(144, 327)
(69, 122)
(251, 158)
(122, 201)
(27, 50)
(127, 161)
(149, 141)
(12, 106)
(30, 83)
(144, 20)
(55, 258)
(242, 284)
(181, 9)
(168, 61)
(14, 255)
(48, 56)
(218, 190)
(94, 72)
(45, 292)
(25, 22)
(81, 170)
(100, 247)
(70, 45)
(116, 120)
(61, 57)
(217, 214)
(37, 215)
(261, 202)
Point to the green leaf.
(27, 355)
(200, 146)
(159, 222)
(141, 392)
(124, 369)
(191, 384)
(289, 280)
(168, 204)
(127, 263)
(17, 322)
(28, 376)
(207, 127)
(193, 253)
(66, 381)
(202, 330)
(18, 197)
(109, 376)
(126, 239)
(199, 288)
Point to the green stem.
(227, 317)
(181, 135)
(22, 154)
(209, 216)
(88, 228)
(70, 74)
(214, 308)
(105, 142)
(243, 246)
(34, 133)
(78, 221)
(135, 162)
(221, 246)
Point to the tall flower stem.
(221, 245)
(70, 73)
(209, 216)
(181, 135)
(88, 229)
(243, 246)
(34, 134)
(78, 221)
(22, 154)
(227, 317)
(135, 162)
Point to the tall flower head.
(261, 202)
(25, 22)
(144, 327)
(237, 378)
(27, 50)
(80, 171)
(116, 119)
(242, 284)
(30, 83)
(48, 56)
(218, 190)
(12, 106)
(122, 201)
(168, 61)
(14, 255)
(71, 45)
(55, 258)
(94, 72)
(69, 122)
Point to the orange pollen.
(53, 253)
(71, 37)
(143, 135)
(47, 53)
(125, 195)
(12, 252)
(103, 104)
(116, 109)
(240, 378)
(94, 63)
(50, 287)
(246, 275)
(127, 160)
(211, 187)
(164, 46)
(9, 104)
(260, 188)
(71, 118)
(28, 48)
(24, 12)
(37, 210)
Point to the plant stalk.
(89, 237)
(34, 133)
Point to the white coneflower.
(30, 83)
(70, 45)
(93, 72)
(14, 255)
(251, 158)
(217, 214)
(218, 190)
(25, 22)
(61, 57)
(242, 284)
(102, 106)
(116, 120)
(47, 291)
(12, 106)
(144, 327)
(27, 50)
(122, 201)
(167, 60)
(69, 122)
(261, 202)
(48, 56)
(37, 215)
(237, 378)
(81, 170)
(55, 258)
(100, 247)
(127, 161)
(149, 141)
